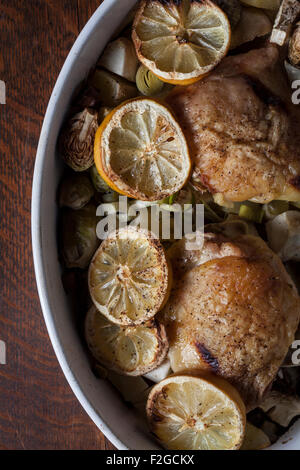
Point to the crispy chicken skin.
(233, 311)
(242, 129)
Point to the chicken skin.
(233, 311)
(243, 129)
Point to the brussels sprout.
(281, 408)
(98, 182)
(79, 239)
(75, 191)
(76, 142)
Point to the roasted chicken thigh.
(243, 129)
(233, 311)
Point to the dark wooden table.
(37, 407)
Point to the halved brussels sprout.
(76, 142)
(75, 191)
(79, 239)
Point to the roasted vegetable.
(98, 182)
(287, 14)
(232, 228)
(255, 438)
(75, 191)
(284, 235)
(267, 4)
(112, 89)
(103, 112)
(110, 196)
(251, 211)
(292, 71)
(120, 58)
(294, 46)
(148, 83)
(76, 142)
(79, 239)
(275, 208)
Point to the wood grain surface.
(37, 407)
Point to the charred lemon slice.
(129, 350)
(267, 4)
(141, 151)
(129, 277)
(255, 438)
(180, 41)
(196, 413)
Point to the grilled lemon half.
(129, 350)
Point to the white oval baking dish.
(99, 400)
